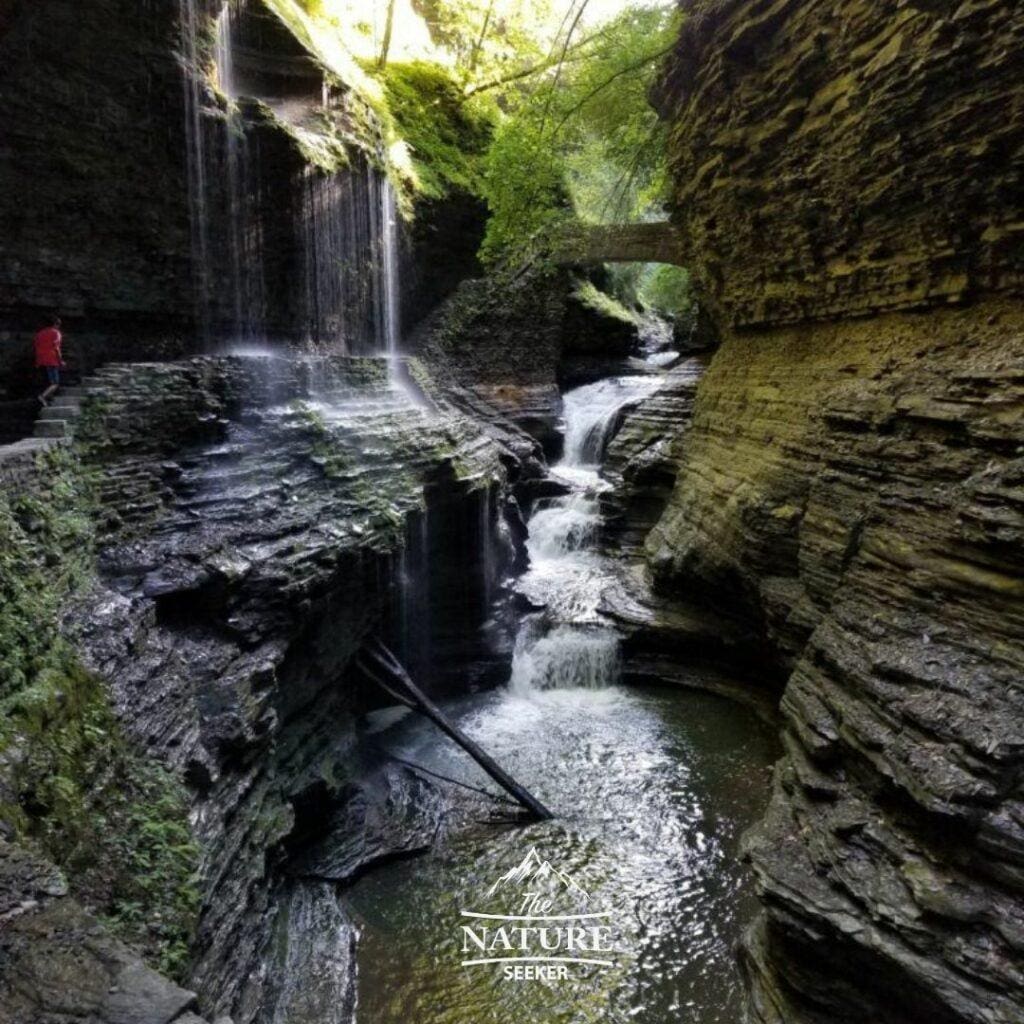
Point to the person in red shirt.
(48, 357)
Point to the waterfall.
(347, 233)
(592, 414)
(312, 257)
(196, 159)
(568, 645)
(568, 525)
(223, 54)
(564, 658)
(390, 268)
(486, 548)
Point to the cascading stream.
(651, 791)
(567, 646)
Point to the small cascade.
(564, 658)
(592, 416)
(569, 525)
(568, 646)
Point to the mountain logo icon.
(533, 867)
(538, 938)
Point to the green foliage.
(448, 136)
(585, 141)
(601, 302)
(45, 544)
(666, 289)
(525, 189)
(489, 39)
(114, 821)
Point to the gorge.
(735, 589)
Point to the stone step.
(51, 428)
(62, 401)
(53, 412)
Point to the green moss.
(321, 38)
(69, 780)
(447, 136)
(593, 298)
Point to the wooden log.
(385, 663)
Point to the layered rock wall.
(256, 520)
(509, 342)
(844, 158)
(94, 219)
(849, 193)
(260, 519)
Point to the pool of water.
(652, 789)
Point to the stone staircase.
(54, 425)
(58, 418)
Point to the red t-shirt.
(47, 344)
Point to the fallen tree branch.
(413, 766)
(386, 664)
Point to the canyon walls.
(189, 582)
(850, 195)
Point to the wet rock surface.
(850, 488)
(506, 345)
(256, 513)
(394, 812)
(643, 458)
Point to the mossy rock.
(114, 821)
(448, 136)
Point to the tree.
(582, 140)
(385, 46)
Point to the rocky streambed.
(259, 516)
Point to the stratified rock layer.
(260, 518)
(845, 157)
(852, 487)
(502, 345)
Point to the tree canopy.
(537, 106)
(583, 140)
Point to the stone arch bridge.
(655, 242)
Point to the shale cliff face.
(257, 519)
(849, 188)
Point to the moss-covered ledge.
(72, 786)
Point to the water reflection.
(652, 789)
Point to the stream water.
(651, 790)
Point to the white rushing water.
(568, 646)
(592, 415)
(390, 271)
(224, 51)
